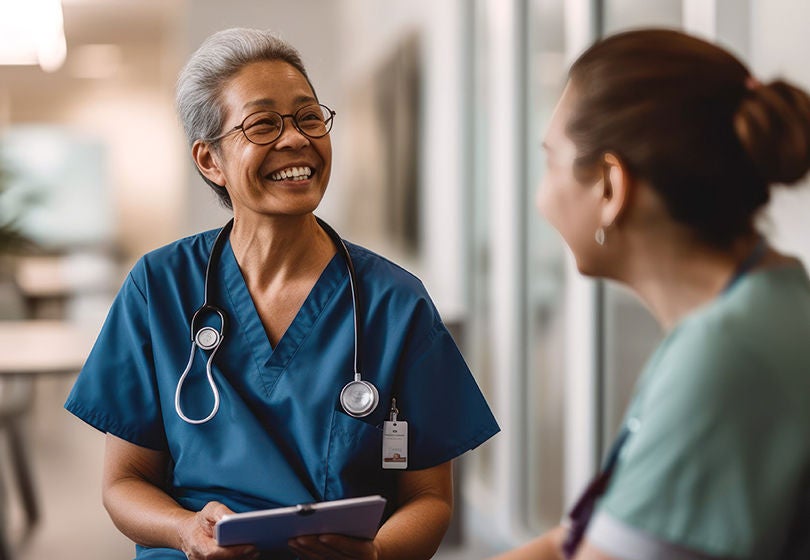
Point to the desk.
(37, 347)
(29, 349)
(48, 283)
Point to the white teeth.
(294, 173)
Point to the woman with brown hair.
(661, 152)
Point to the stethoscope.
(358, 397)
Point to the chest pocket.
(353, 463)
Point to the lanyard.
(581, 513)
(753, 259)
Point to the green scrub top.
(719, 456)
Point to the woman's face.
(255, 175)
(570, 206)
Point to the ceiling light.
(32, 32)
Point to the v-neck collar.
(246, 318)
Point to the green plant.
(11, 239)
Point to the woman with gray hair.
(308, 354)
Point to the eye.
(264, 123)
(311, 114)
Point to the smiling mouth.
(292, 174)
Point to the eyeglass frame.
(241, 126)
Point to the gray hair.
(207, 72)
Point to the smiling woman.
(311, 344)
(227, 158)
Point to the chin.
(588, 268)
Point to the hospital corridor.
(420, 249)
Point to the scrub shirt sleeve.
(116, 390)
(696, 470)
(437, 395)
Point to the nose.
(290, 137)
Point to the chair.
(16, 397)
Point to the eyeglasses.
(265, 127)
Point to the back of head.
(687, 117)
(207, 72)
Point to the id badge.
(395, 445)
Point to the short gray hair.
(207, 72)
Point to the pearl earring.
(600, 236)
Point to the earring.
(600, 236)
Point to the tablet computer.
(270, 529)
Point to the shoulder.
(743, 341)
(394, 298)
(383, 276)
(723, 371)
(720, 415)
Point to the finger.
(304, 554)
(208, 516)
(313, 549)
(337, 547)
(247, 553)
(347, 546)
(214, 511)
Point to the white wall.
(369, 30)
(143, 149)
(779, 49)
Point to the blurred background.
(441, 107)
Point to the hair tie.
(751, 83)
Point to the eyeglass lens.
(264, 127)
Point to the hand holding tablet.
(270, 529)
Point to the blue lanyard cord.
(753, 259)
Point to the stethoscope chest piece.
(359, 398)
(207, 338)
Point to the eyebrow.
(271, 103)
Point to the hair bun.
(773, 124)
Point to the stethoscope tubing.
(354, 291)
(210, 375)
(213, 259)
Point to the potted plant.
(12, 242)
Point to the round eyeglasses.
(265, 127)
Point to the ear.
(206, 160)
(615, 195)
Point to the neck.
(273, 249)
(674, 279)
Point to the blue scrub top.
(280, 436)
